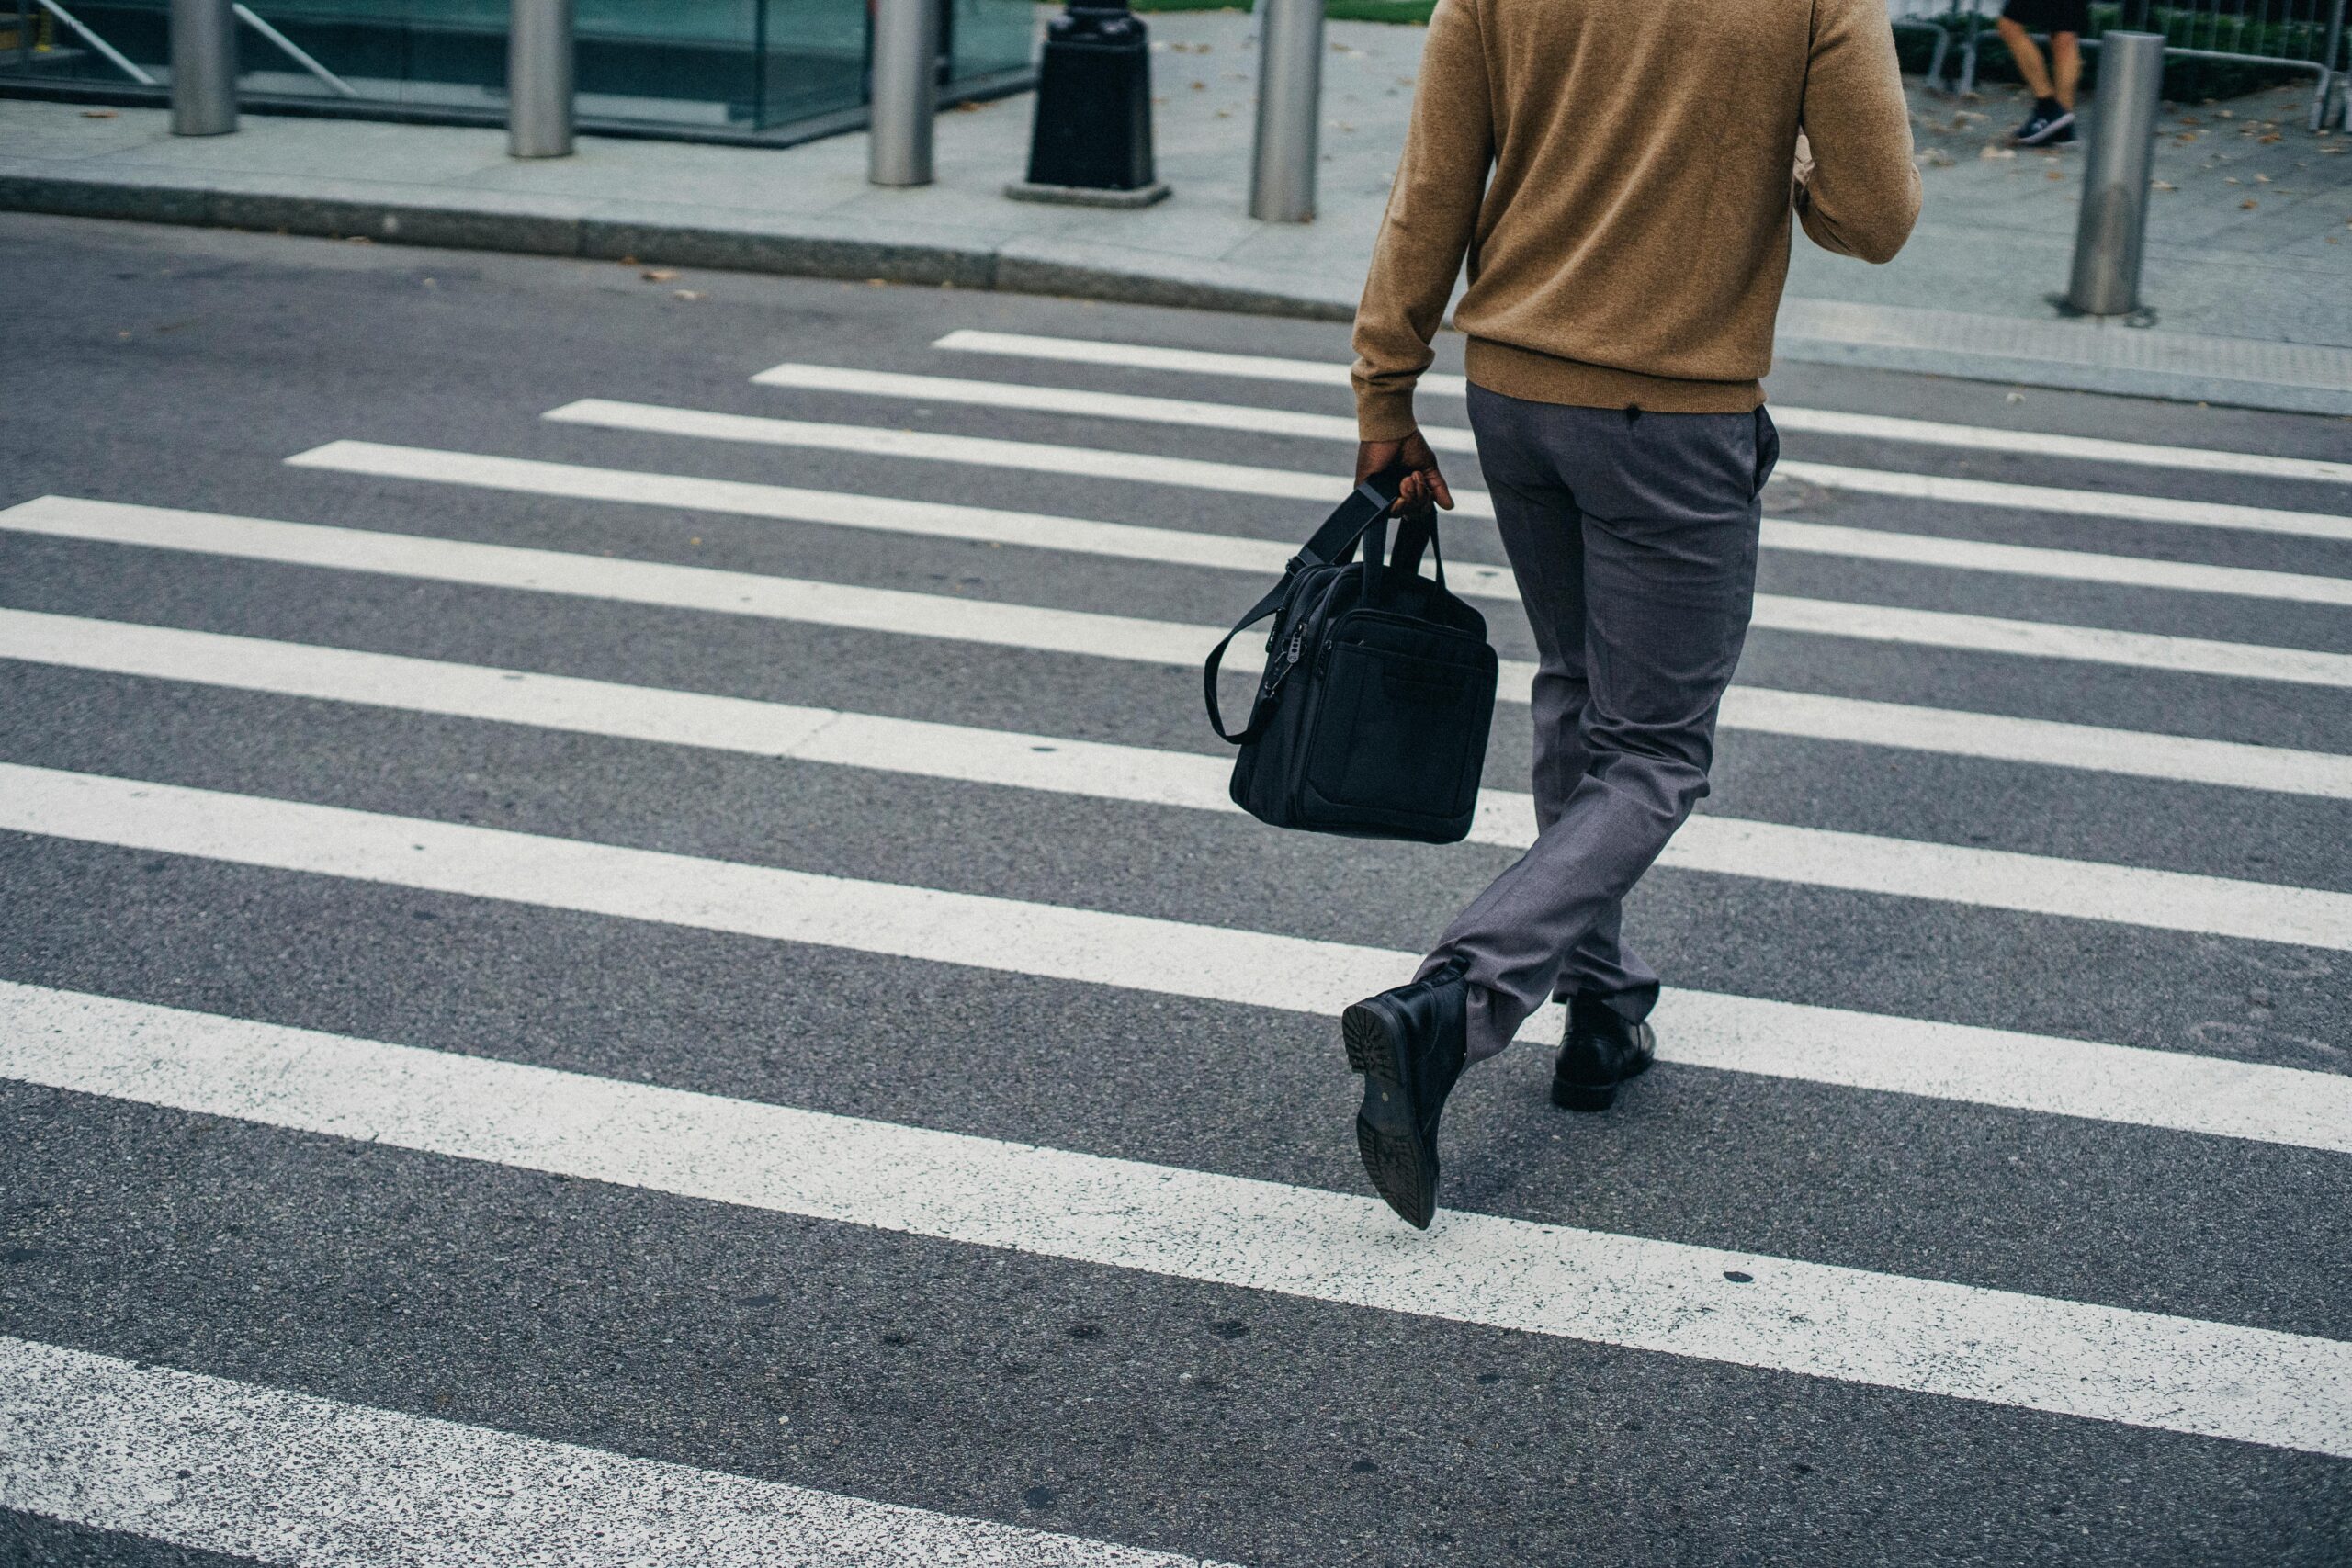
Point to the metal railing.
(124, 63)
(106, 50)
(1927, 16)
(2288, 35)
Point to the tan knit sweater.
(1618, 175)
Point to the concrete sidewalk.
(2249, 273)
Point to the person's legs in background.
(2028, 54)
(2052, 121)
(2065, 69)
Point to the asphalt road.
(927, 1341)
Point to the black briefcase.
(1371, 719)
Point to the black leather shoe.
(1408, 1045)
(1601, 1051)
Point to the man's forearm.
(1425, 233)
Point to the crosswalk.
(352, 643)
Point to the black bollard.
(1091, 141)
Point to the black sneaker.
(1601, 1051)
(1408, 1044)
(2049, 127)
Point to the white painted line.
(1927, 1336)
(2072, 502)
(2041, 1074)
(256, 1471)
(1186, 361)
(1229, 552)
(1725, 845)
(978, 451)
(799, 376)
(2045, 444)
(1951, 732)
(1818, 422)
(876, 513)
(1291, 484)
(1800, 714)
(616, 580)
(2072, 566)
(1035, 627)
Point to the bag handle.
(1366, 505)
(1415, 533)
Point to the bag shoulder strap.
(1365, 506)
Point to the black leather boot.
(1601, 1051)
(1408, 1044)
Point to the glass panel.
(712, 66)
(989, 37)
(815, 58)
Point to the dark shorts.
(2050, 15)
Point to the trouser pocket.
(1768, 447)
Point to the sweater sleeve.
(1432, 212)
(1862, 194)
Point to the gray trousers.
(1633, 537)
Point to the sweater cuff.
(1384, 413)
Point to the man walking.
(2051, 124)
(1619, 177)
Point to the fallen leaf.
(2055, 174)
(1996, 152)
(2248, 205)
(658, 275)
(686, 294)
(97, 114)
(2162, 184)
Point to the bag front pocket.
(1399, 735)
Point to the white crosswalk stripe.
(1178, 547)
(243, 1469)
(1723, 845)
(1886, 1286)
(1139, 954)
(1801, 714)
(1037, 626)
(1822, 422)
(1929, 1337)
(1290, 484)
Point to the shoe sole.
(2057, 135)
(1599, 1096)
(1387, 1126)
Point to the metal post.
(2328, 73)
(2114, 219)
(905, 92)
(204, 68)
(538, 78)
(1290, 93)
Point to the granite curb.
(1018, 266)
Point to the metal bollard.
(204, 68)
(538, 78)
(1290, 93)
(905, 92)
(2113, 225)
